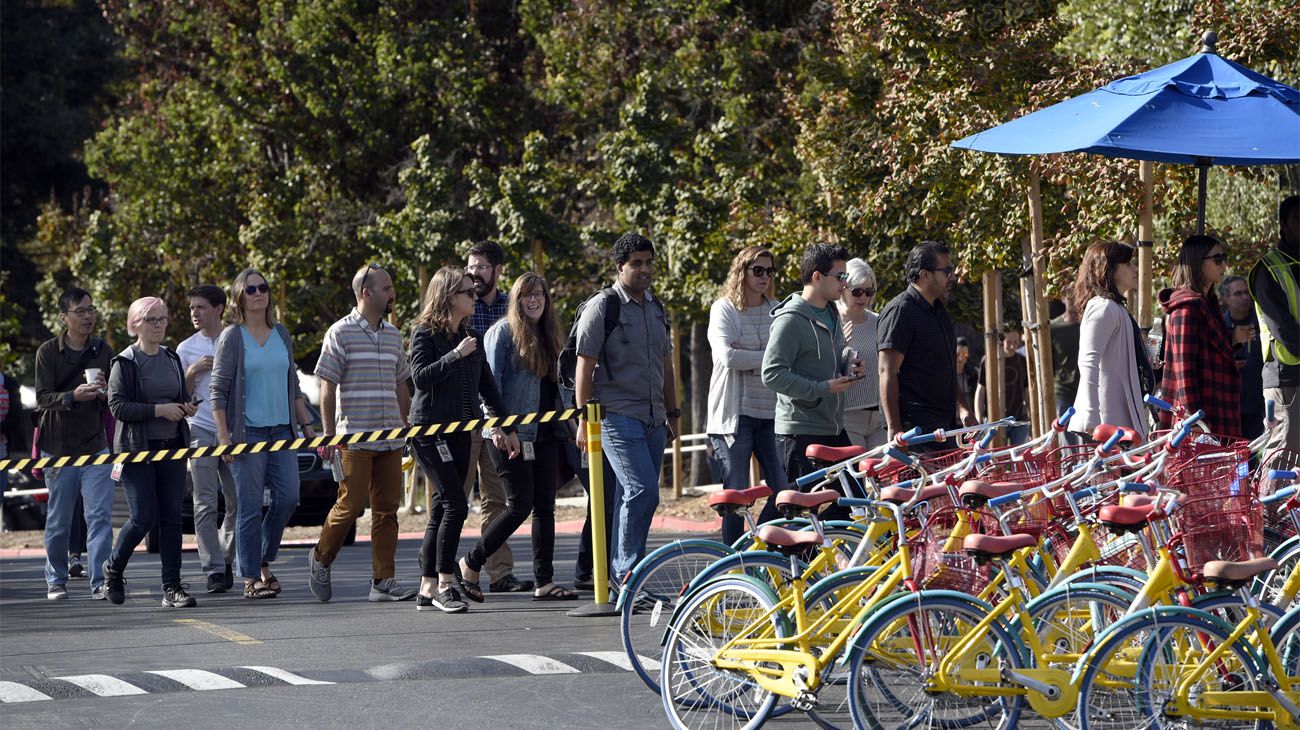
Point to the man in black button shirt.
(917, 362)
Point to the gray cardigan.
(227, 386)
(1109, 391)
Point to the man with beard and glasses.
(363, 373)
(483, 265)
(917, 362)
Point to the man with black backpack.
(71, 383)
(623, 358)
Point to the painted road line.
(14, 692)
(198, 679)
(284, 676)
(104, 685)
(221, 631)
(535, 663)
(620, 660)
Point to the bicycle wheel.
(696, 693)
(654, 588)
(769, 567)
(832, 709)
(1269, 586)
(1128, 680)
(898, 652)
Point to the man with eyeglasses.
(71, 395)
(363, 375)
(918, 348)
(1239, 315)
(483, 265)
(805, 365)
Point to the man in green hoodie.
(804, 363)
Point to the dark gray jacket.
(126, 402)
(227, 385)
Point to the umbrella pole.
(1146, 239)
(1043, 334)
(1201, 174)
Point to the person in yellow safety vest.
(1275, 286)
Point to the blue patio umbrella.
(1203, 110)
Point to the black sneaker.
(228, 579)
(217, 583)
(447, 600)
(75, 568)
(174, 596)
(114, 585)
(510, 584)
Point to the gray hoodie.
(802, 355)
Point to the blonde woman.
(148, 397)
(522, 350)
(255, 397)
(451, 379)
(742, 411)
(863, 421)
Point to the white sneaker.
(389, 589)
(56, 592)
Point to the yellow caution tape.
(361, 437)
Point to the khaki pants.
(492, 502)
(373, 477)
(1287, 410)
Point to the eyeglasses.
(369, 268)
(80, 311)
(842, 276)
(762, 271)
(469, 291)
(252, 289)
(946, 270)
(535, 295)
(863, 292)
(1219, 258)
(155, 321)
(478, 267)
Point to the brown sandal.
(259, 589)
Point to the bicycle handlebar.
(1163, 405)
(1280, 494)
(1185, 429)
(1065, 417)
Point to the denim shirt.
(521, 388)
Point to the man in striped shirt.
(363, 373)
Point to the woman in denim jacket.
(522, 350)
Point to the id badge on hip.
(444, 452)
(530, 452)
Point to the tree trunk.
(701, 370)
(992, 348)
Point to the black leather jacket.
(449, 387)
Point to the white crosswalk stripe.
(284, 676)
(104, 685)
(198, 679)
(14, 692)
(535, 663)
(620, 660)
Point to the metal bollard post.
(600, 560)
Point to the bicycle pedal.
(804, 702)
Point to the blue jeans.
(636, 452)
(257, 537)
(755, 436)
(154, 492)
(1017, 435)
(95, 485)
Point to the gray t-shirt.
(160, 383)
(629, 376)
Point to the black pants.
(77, 530)
(449, 509)
(154, 492)
(530, 489)
(796, 462)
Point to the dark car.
(22, 511)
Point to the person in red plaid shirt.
(1200, 369)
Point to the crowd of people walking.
(819, 366)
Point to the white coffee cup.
(92, 375)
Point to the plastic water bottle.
(1155, 338)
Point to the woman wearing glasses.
(863, 420)
(1113, 367)
(522, 350)
(1200, 369)
(451, 379)
(742, 411)
(147, 396)
(255, 397)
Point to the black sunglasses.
(946, 270)
(252, 289)
(1219, 258)
(863, 292)
(369, 268)
(762, 271)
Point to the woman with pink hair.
(147, 395)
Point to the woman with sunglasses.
(452, 380)
(863, 421)
(522, 350)
(1113, 368)
(148, 397)
(1200, 369)
(742, 411)
(255, 397)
